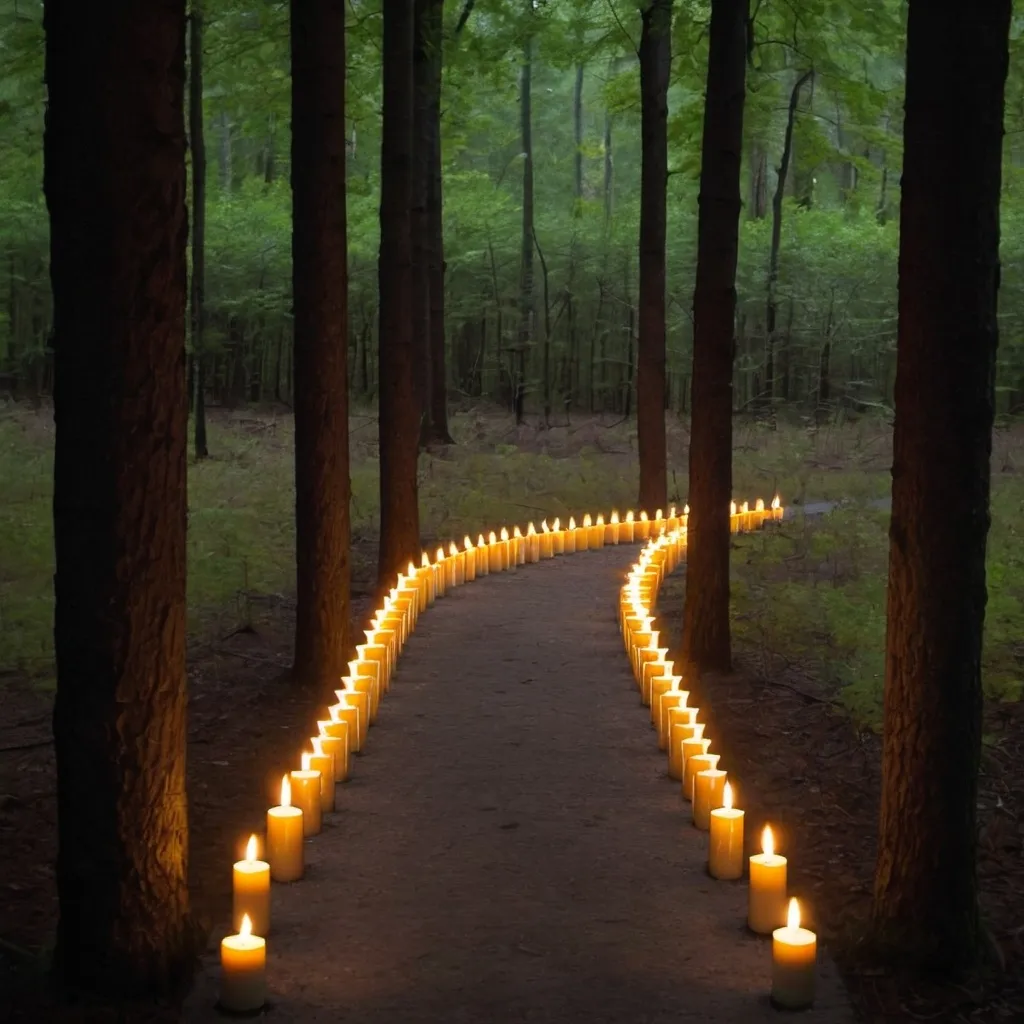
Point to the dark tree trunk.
(197, 143)
(399, 410)
(771, 303)
(655, 61)
(706, 641)
(525, 333)
(320, 288)
(758, 208)
(926, 898)
(418, 223)
(115, 185)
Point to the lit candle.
(457, 560)
(483, 555)
(699, 762)
(334, 740)
(323, 763)
(493, 553)
(684, 740)
(708, 794)
(284, 838)
(627, 530)
(519, 546)
(611, 531)
(766, 908)
(794, 952)
(305, 784)
(441, 573)
(557, 538)
(583, 534)
(746, 517)
(725, 848)
(597, 532)
(346, 713)
(547, 545)
(532, 544)
(250, 891)
(570, 537)
(669, 701)
(352, 698)
(660, 685)
(776, 508)
(651, 669)
(375, 654)
(470, 559)
(364, 679)
(505, 548)
(428, 577)
(243, 967)
(734, 519)
(642, 530)
(686, 517)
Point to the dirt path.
(509, 849)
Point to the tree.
(655, 54)
(706, 641)
(197, 145)
(524, 335)
(925, 880)
(399, 410)
(320, 289)
(115, 186)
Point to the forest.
(297, 293)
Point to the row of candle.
(704, 784)
(308, 792)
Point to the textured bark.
(706, 641)
(197, 145)
(115, 185)
(925, 881)
(418, 222)
(399, 409)
(320, 290)
(524, 335)
(655, 61)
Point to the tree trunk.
(706, 640)
(771, 304)
(399, 410)
(115, 185)
(926, 899)
(655, 62)
(197, 143)
(525, 332)
(758, 208)
(320, 289)
(418, 226)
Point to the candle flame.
(759, 505)
(480, 542)
(629, 517)
(793, 914)
(727, 797)
(732, 508)
(767, 841)
(440, 555)
(586, 519)
(318, 747)
(530, 530)
(468, 543)
(686, 510)
(504, 533)
(323, 726)
(698, 733)
(245, 928)
(544, 526)
(286, 792)
(250, 849)
(776, 503)
(452, 549)
(615, 518)
(643, 517)
(492, 538)
(671, 511)
(558, 525)
(745, 507)
(600, 519)
(572, 523)
(516, 533)
(307, 760)
(425, 560)
(658, 515)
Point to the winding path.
(508, 849)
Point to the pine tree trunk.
(418, 223)
(706, 641)
(525, 333)
(655, 61)
(320, 289)
(926, 899)
(116, 186)
(399, 409)
(197, 144)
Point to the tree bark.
(706, 640)
(418, 223)
(655, 61)
(399, 410)
(525, 333)
(320, 289)
(116, 185)
(926, 906)
(197, 144)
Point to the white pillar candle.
(493, 553)
(505, 548)
(660, 685)
(794, 966)
(350, 698)
(346, 713)
(334, 740)
(759, 513)
(683, 742)
(557, 538)
(322, 762)
(305, 786)
(776, 509)
(569, 537)
(483, 556)
(669, 701)
(519, 546)
(284, 838)
(642, 531)
(627, 529)
(597, 533)
(708, 795)
(734, 519)
(250, 891)
(611, 530)
(651, 670)
(470, 552)
(364, 679)
(243, 970)
(532, 543)
(700, 762)
(547, 541)
(766, 907)
(583, 534)
(725, 846)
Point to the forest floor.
(809, 625)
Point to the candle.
(766, 908)
(323, 763)
(759, 513)
(583, 534)
(611, 531)
(725, 848)
(660, 685)
(493, 553)
(519, 546)
(684, 740)
(371, 663)
(365, 684)
(642, 530)
(557, 538)
(284, 838)
(776, 508)
(626, 530)
(532, 544)
(746, 517)
(669, 701)
(305, 784)
(699, 762)
(250, 890)
(794, 952)
(650, 669)
(569, 537)
(470, 559)
(734, 522)
(334, 740)
(243, 967)
(505, 549)
(351, 698)
(708, 794)
(547, 545)
(346, 713)
(441, 573)
(483, 556)
(597, 532)
(429, 580)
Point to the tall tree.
(320, 289)
(115, 185)
(399, 409)
(655, 54)
(524, 335)
(706, 642)
(197, 145)
(926, 904)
